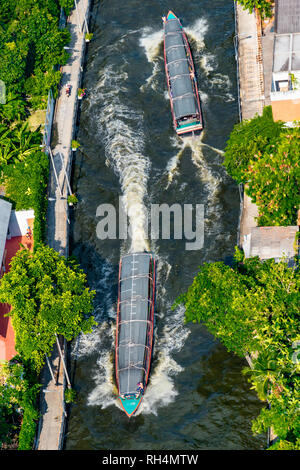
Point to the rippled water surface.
(196, 397)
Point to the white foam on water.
(89, 343)
(220, 83)
(123, 139)
(197, 32)
(206, 175)
(173, 164)
(105, 392)
(151, 42)
(161, 389)
(195, 144)
(208, 63)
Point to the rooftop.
(287, 16)
(271, 242)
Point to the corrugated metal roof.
(5, 210)
(287, 16)
(272, 242)
(286, 52)
(134, 325)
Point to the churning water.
(196, 397)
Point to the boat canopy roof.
(134, 320)
(182, 92)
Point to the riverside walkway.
(251, 91)
(52, 421)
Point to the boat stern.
(130, 404)
(185, 130)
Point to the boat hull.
(134, 329)
(181, 79)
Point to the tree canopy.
(263, 6)
(31, 44)
(49, 296)
(265, 156)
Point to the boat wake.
(161, 388)
(171, 338)
(218, 82)
(123, 138)
(195, 144)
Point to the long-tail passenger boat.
(134, 330)
(181, 78)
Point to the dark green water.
(197, 397)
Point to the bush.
(49, 297)
(26, 185)
(253, 308)
(248, 140)
(263, 154)
(274, 181)
(18, 400)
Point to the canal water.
(197, 397)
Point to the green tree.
(14, 108)
(263, 6)
(49, 297)
(248, 140)
(275, 180)
(253, 308)
(16, 144)
(265, 157)
(18, 395)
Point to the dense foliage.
(49, 297)
(263, 6)
(265, 156)
(18, 395)
(249, 138)
(31, 48)
(31, 44)
(253, 308)
(24, 171)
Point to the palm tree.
(14, 109)
(263, 373)
(24, 141)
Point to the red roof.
(7, 336)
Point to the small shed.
(271, 242)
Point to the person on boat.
(164, 19)
(140, 389)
